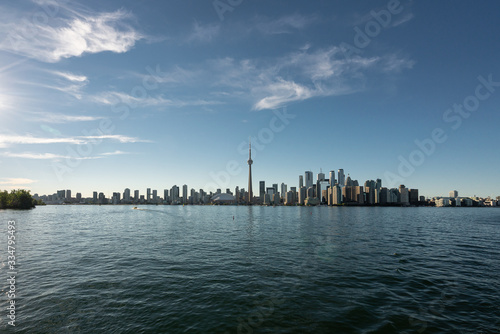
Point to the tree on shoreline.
(17, 199)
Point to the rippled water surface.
(208, 269)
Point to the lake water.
(229, 269)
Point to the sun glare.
(4, 105)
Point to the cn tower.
(250, 162)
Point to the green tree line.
(17, 199)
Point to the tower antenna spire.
(250, 162)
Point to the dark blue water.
(174, 269)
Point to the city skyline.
(332, 192)
(125, 94)
(340, 179)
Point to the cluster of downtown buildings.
(335, 190)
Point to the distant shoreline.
(259, 205)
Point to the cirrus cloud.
(15, 181)
(71, 33)
(6, 140)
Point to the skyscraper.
(126, 195)
(413, 196)
(332, 178)
(320, 187)
(341, 177)
(404, 196)
(348, 182)
(184, 194)
(370, 190)
(250, 162)
(378, 186)
(61, 194)
(336, 195)
(309, 179)
(283, 190)
(321, 178)
(301, 181)
(174, 194)
(302, 195)
(262, 190)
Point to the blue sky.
(134, 94)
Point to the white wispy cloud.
(177, 74)
(49, 117)
(70, 33)
(113, 97)
(74, 89)
(269, 83)
(6, 140)
(78, 83)
(9, 139)
(52, 156)
(282, 92)
(12, 65)
(12, 181)
(326, 73)
(119, 138)
(301, 75)
(204, 33)
(66, 82)
(71, 76)
(283, 25)
(117, 152)
(236, 73)
(44, 156)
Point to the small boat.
(134, 208)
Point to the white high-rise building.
(453, 194)
(332, 178)
(335, 195)
(302, 195)
(341, 177)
